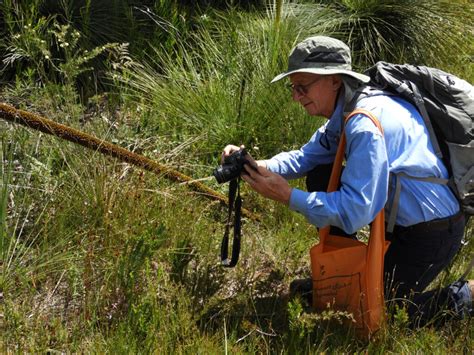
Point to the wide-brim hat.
(321, 55)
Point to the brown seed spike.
(28, 119)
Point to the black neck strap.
(234, 201)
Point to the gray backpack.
(446, 104)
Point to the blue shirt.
(370, 158)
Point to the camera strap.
(235, 203)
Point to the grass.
(98, 256)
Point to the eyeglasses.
(303, 89)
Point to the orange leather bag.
(348, 274)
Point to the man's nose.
(296, 95)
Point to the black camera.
(232, 167)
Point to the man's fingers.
(251, 160)
(248, 179)
(251, 182)
(228, 150)
(263, 171)
(256, 172)
(253, 172)
(266, 183)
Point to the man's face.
(316, 93)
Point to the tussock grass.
(211, 88)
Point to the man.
(429, 225)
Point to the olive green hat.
(321, 55)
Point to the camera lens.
(232, 167)
(219, 174)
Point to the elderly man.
(429, 225)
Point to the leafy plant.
(46, 53)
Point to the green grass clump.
(207, 93)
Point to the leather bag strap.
(337, 168)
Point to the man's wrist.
(287, 196)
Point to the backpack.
(446, 104)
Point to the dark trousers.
(416, 255)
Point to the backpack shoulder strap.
(420, 105)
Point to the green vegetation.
(98, 256)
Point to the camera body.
(232, 167)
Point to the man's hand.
(267, 184)
(229, 149)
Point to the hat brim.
(358, 76)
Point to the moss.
(45, 125)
